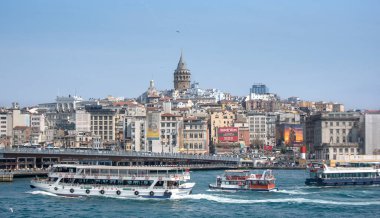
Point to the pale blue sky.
(317, 50)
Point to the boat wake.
(42, 193)
(51, 194)
(226, 200)
(290, 192)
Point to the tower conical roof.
(181, 64)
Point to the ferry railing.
(121, 153)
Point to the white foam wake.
(275, 200)
(291, 192)
(42, 193)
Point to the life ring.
(118, 192)
(151, 193)
(101, 192)
(72, 190)
(55, 188)
(136, 192)
(87, 191)
(84, 176)
(133, 177)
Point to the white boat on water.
(116, 181)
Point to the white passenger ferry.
(115, 181)
(353, 174)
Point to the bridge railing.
(121, 153)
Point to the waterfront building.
(332, 134)
(171, 127)
(22, 135)
(6, 125)
(242, 124)
(370, 125)
(220, 119)
(153, 135)
(257, 123)
(137, 132)
(182, 76)
(20, 118)
(102, 122)
(271, 120)
(37, 123)
(195, 136)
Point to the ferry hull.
(213, 187)
(342, 182)
(76, 191)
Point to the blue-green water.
(294, 199)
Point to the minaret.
(181, 76)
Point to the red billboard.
(228, 134)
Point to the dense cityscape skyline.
(318, 51)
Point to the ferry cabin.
(163, 177)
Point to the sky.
(317, 50)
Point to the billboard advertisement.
(153, 119)
(292, 134)
(228, 134)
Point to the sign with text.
(228, 134)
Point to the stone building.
(332, 134)
(102, 122)
(370, 126)
(195, 137)
(257, 123)
(182, 76)
(171, 127)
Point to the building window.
(337, 123)
(337, 131)
(344, 131)
(331, 124)
(331, 131)
(337, 139)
